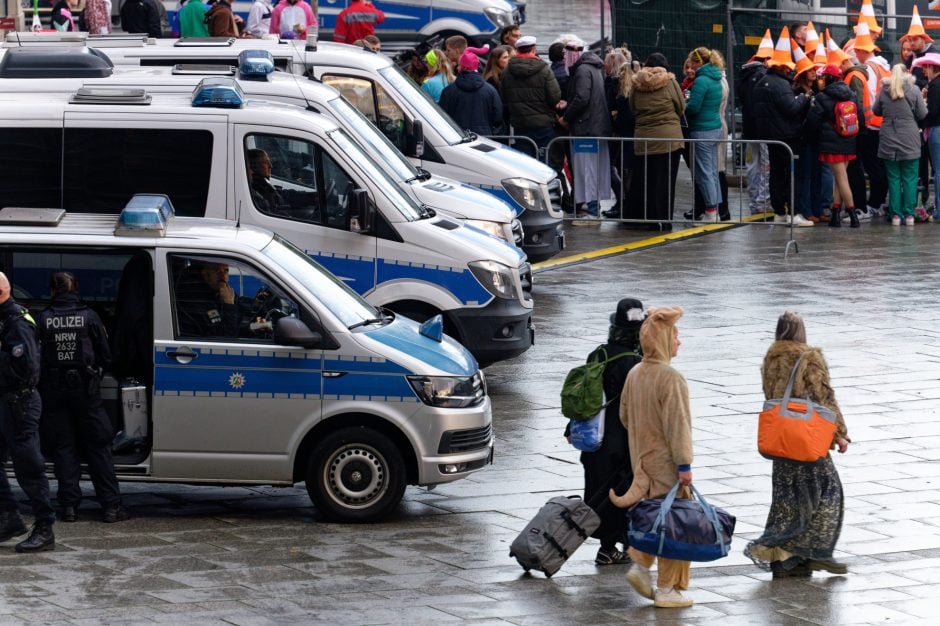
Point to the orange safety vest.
(870, 118)
(880, 74)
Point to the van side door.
(230, 403)
(294, 187)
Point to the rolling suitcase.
(556, 531)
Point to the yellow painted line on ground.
(649, 242)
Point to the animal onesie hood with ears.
(654, 408)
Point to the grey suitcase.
(556, 531)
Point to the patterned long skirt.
(805, 517)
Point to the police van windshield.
(405, 205)
(426, 107)
(366, 132)
(333, 293)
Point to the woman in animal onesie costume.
(654, 408)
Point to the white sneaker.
(799, 220)
(641, 581)
(862, 215)
(909, 220)
(710, 216)
(895, 220)
(781, 219)
(671, 599)
(876, 211)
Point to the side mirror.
(361, 212)
(290, 331)
(416, 140)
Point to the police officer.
(20, 408)
(74, 352)
(205, 303)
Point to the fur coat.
(812, 377)
(654, 408)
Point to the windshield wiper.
(468, 136)
(422, 176)
(385, 319)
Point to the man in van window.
(357, 21)
(205, 303)
(263, 193)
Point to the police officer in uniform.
(20, 408)
(205, 303)
(74, 353)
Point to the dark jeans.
(19, 435)
(653, 186)
(541, 137)
(82, 429)
(877, 180)
(781, 176)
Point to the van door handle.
(331, 374)
(183, 355)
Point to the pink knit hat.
(470, 59)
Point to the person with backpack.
(609, 467)
(834, 119)
(902, 107)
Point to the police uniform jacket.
(19, 350)
(72, 337)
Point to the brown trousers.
(671, 573)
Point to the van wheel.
(356, 475)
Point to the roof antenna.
(238, 215)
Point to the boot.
(835, 217)
(853, 218)
(11, 525)
(39, 540)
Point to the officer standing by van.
(20, 408)
(74, 352)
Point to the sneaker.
(116, 513)
(799, 220)
(909, 220)
(40, 539)
(11, 525)
(781, 219)
(671, 599)
(862, 215)
(875, 211)
(611, 557)
(895, 220)
(641, 581)
(710, 216)
(828, 565)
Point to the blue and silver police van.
(310, 384)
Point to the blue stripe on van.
(459, 282)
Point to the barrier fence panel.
(520, 143)
(654, 191)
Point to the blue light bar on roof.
(145, 214)
(218, 92)
(257, 64)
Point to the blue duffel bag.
(684, 530)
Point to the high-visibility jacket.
(870, 118)
(880, 73)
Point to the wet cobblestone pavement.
(198, 555)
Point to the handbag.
(795, 428)
(684, 530)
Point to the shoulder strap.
(789, 390)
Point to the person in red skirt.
(835, 148)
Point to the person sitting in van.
(357, 21)
(205, 303)
(263, 193)
(291, 18)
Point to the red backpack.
(846, 118)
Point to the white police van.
(391, 100)
(319, 189)
(312, 384)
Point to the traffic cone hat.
(783, 53)
(802, 62)
(820, 58)
(863, 40)
(916, 29)
(766, 48)
(812, 39)
(834, 54)
(867, 16)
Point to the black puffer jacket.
(473, 103)
(820, 121)
(530, 93)
(778, 114)
(933, 104)
(751, 73)
(587, 113)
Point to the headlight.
(500, 17)
(496, 277)
(527, 193)
(449, 392)
(493, 228)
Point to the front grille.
(554, 194)
(525, 277)
(465, 440)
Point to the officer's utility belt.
(69, 377)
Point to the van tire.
(356, 475)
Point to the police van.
(312, 384)
(216, 153)
(384, 94)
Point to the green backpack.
(582, 395)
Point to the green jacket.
(703, 109)
(193, 19)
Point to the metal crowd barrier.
(513, 141)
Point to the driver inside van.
(205, 303)
(263, 193)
